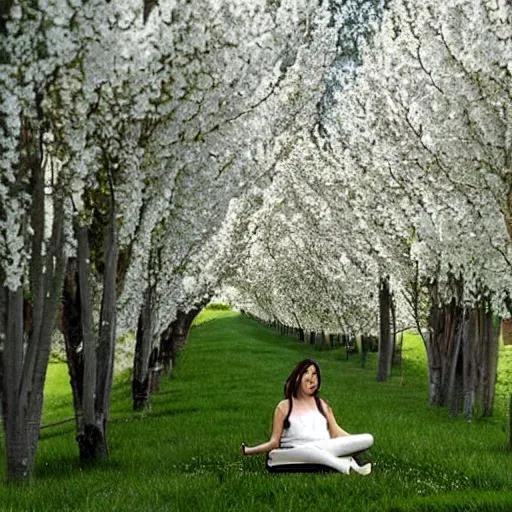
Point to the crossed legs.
(334, 453)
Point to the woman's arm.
(277, 430)
(334, 429)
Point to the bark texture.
(462, 352)
(385, 337)
(90, 351)
(175, 336)
(142, 368)
(28, 323)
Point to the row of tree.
(404, 192)
(337, 166)
(129, 130)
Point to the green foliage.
(217, 306)
(184, 454)
(58, 349)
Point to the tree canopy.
(288, 154)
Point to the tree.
(33, 220)
(417, 155)
(230, 107)
(429, 111)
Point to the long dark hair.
(292, 385)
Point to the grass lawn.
(183, 455)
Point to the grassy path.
(184, 454)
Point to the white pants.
(334, 452)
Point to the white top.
(304, 428)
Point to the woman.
(305, 431)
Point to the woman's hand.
(277, 430)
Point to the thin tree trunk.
(490, 364)
(469, 365)
(481, 376)
(385, 348)
(183, 327)
(434, 369)
(37, 289)
(141, 378)
(299, 327)
(446, 343)
(54, 277)
(85, 414)
(71, 328)
(16, 437)
(106, 341)
(454, 391)
(435, 327)
(3, 335)
(175, 336)
(165, 351)
(322, 340)
(396, 360)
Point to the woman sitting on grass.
(305, 431)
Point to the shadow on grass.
(143, 416)
(50, 431)
(166, 392)
(58, 467)
(62, 467)
(49, 434)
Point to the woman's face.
(309, 381)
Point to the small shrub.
(218, 306)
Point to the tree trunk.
(181, 330)
(322, 340)
(17, 445)
(3, 334)
(25, 364)
(141, 378)
(482, 363)
(454, 392)
(443, 356)
(462, 351)
(165, 351)
(435, 328)
(396, 360)
(91, 357)
(96, 434)
(86, 361)
(300, 331)
(470, 377)
(175, 336)
(434, 371)
(71, 328)
(385, 344)
(490, 364)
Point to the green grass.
(184, 454)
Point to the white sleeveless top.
(304, 428)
